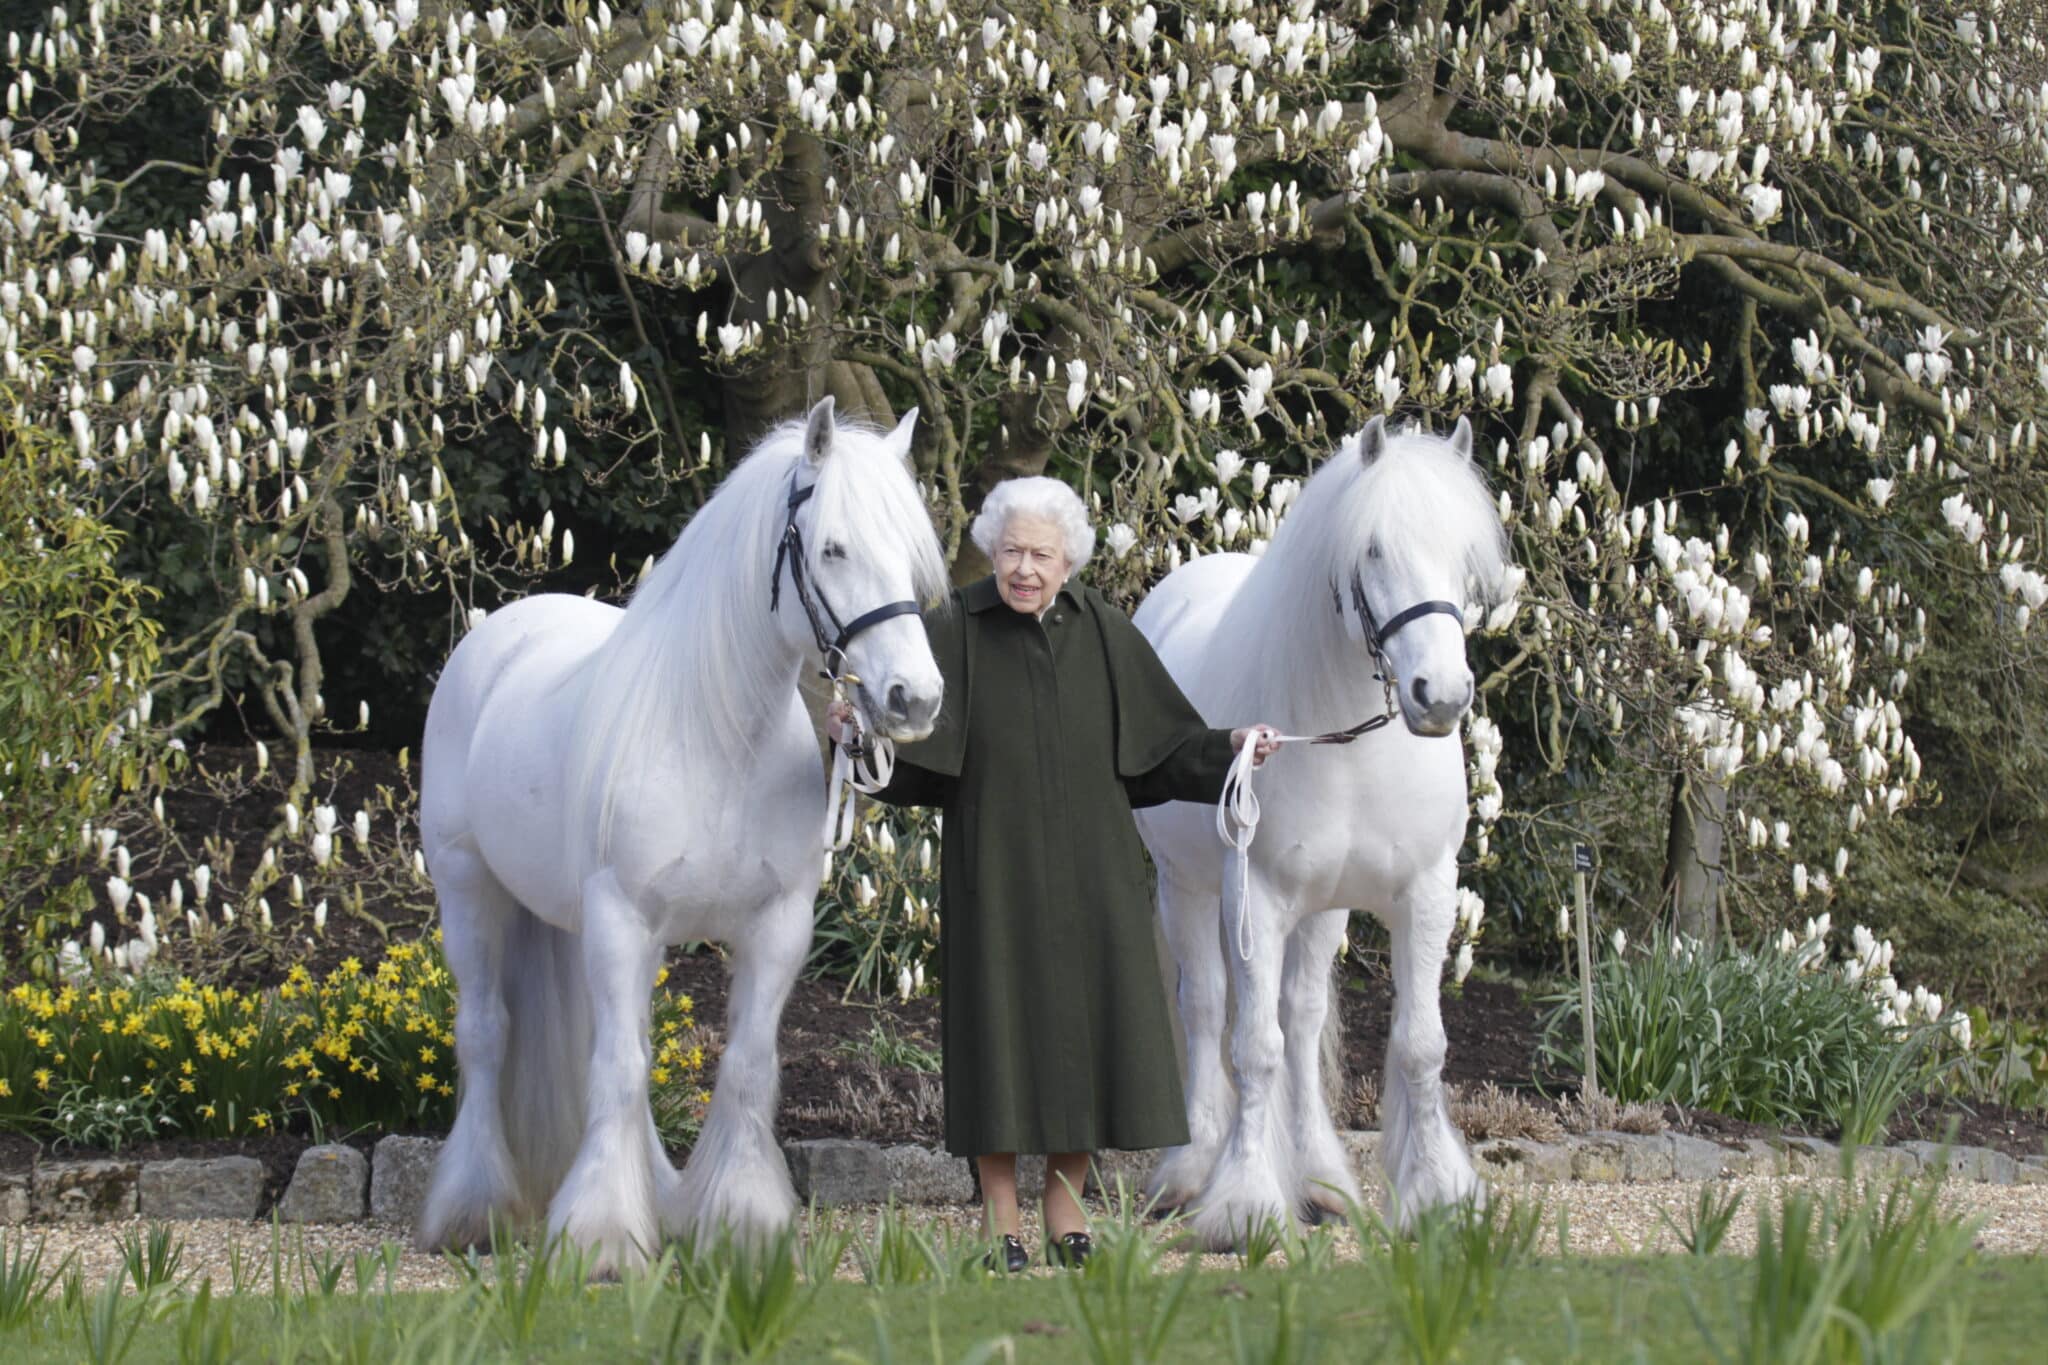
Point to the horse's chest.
(739, 846)
(1357, 847)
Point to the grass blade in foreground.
(1851, 1278)
(1706, 1225)
(1442, 1278)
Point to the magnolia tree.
(1746, 298)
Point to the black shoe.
(1015, 1257)
(1071, 1251)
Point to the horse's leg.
(1306, 983)
(736, 1177)
(1191, 935)
(1424, 1156)
(1248, 1185)
(606, 1204)
(474, 1178)
(668, 1181)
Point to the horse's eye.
(1372, 552)
(833, 550)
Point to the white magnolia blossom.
(278, 363)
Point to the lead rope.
(865, 766)
(1237, 809)
(1237, 824)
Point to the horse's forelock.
(867, 497)
(1421, 502)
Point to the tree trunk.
(1021, 447)
(1693, 875)
(785, 379)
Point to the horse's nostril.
(899, 700)
(1420, 691)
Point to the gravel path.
(1603, 1220)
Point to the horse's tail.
(1330, 1045)
(547, 1053)
(507, 1164)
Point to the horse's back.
(512, 668)
(1179, 616)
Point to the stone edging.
(337, 1184)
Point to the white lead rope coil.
(1237, 820)
(866, 775)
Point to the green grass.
(886, 1047)
(1864, 1274)
(1552, 1309)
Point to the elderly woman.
(1058, 720)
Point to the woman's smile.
(1031, 562)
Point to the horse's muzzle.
(904, 713)
(1432, 713)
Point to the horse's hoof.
(1328, 1202)
(1229, 1227)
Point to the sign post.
(1582, 867)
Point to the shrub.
(1773, 1036)
(2009, 1064)
(877, 919)
(1491, 1112)
(75, 648)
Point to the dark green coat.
(1056, 1032)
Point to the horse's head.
(864, 557)
(1429, 533)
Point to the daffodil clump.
(676, 1080)
(207, 1058)
(371, 1048)
(358, 1048)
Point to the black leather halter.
(1376, 637)
(831, 634)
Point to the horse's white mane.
(1420, 502)
(696, 668)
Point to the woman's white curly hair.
(1044, 498)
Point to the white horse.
(598, 784)
(1358, 585)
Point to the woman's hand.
(838, 716)
(1266, 737)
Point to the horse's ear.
(1372, 442)
(818, 431)
(1461, 438)
(901, 437)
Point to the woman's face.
(1030, 563)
